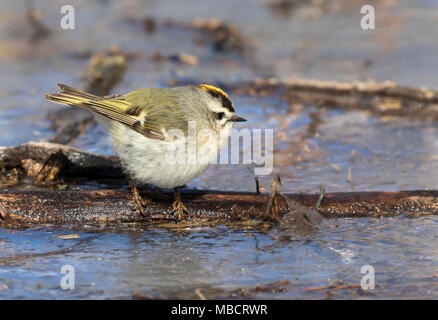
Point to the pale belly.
(160, 174)
(146, 161)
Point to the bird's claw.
(179, 208)
(138, 200)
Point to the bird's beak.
(235, 118)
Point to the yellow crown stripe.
(209, 87)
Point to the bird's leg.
(136, 197)
(178, 206)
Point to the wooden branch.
(69, 123)
(54, 165)
(116, 206)
(370, 88)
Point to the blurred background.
(119, 46)
(165, 43)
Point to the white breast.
(145, 159)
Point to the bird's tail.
(113, 107)
(72, 97)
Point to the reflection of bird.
(140, 123)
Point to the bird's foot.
(138, 200)
(178, 206)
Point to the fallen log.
(369, 88)
(69, 123)
(40, 165)
(51, 163)
(116, 206)
(386, 89)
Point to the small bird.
(140, 123)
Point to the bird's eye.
(220, 115)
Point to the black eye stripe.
(220, 115)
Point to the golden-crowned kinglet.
(140, 123)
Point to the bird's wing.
(147, 111)
(159, 109)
